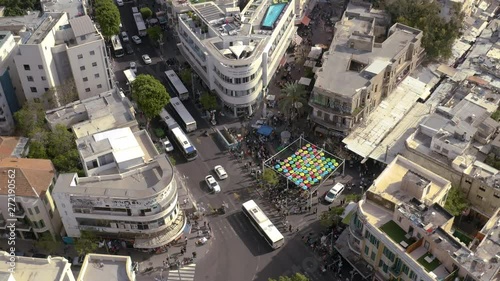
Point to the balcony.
(395, 271)
(397, 234)
(22, 226)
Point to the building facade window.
(373, 240)
(33, 89)
(30, 78)
(94, 64)
(40, 66)
(479, 197)
(43, 78)
(390, 255)
(82, 67)
(92, 53)
(30, 211)
(367, 250)
(80, 56)
(87, 90)
(27, 67)
(96, 75)
(85, 79)
(37, 210)
(99, 86)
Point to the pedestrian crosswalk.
(185, 273)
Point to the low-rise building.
(9, 82)
(363, 65)
(55, 51)
(400, 231)
(108, 110)
(30, 182)
(129, 190)
(13, 268)
(235, 53)
(106, 267)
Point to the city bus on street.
(130, 76)
(263, 225)
(176, 83)
(168, 120)
(187, 121)
(117, 46)
(185, 146)
(139, 22)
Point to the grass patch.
(464, 238)
(394, 231)
(429, 266)
(347, 218)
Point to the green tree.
(61, 95)
(146, 12)
(295, 277)
(87, 243)
(60, 141)
(186, 76)
(270, 177)
(108, 17)
(352, 197)
(68, 162)
(37, 150)
(150, 95)
(438, 33)
(19, 7)
(155, 33)
(331, 217)
(208, 101)
(47, 243)
(294, 101)
(30, 117)
(456, 202)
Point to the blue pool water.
(272, 15)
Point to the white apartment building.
(237, 53)
(35, 213)
(129, 192)
(59, 49)
(400, 231)
(9, 82)
(106, 267)
(35, 269)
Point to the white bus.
(176, 83)
(185, 146)
(263, 225)
(168, 120)
(139, 22)
(117, 46)
(129, 75)
(187, 121)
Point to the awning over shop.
(265, 130)
(305, 81)
(306, 20)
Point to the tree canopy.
(61, 95)
(155, 33)
(208, 101)
(150, 95)
(294, 100)
(186, 77)
(108, 17)
(29, 118)
(270, 177)
(439, 34)
(19, 7)
(331, 217)
(146, 12)
(87, 243)
(47, 243)
(456, 202)
(295, 277)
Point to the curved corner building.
(130, 191)
(237, 53)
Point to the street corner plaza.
(306, 165)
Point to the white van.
(334, 192)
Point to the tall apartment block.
(9, 82)
(236, 53)
(364, 64)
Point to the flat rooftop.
(35, 269)
(73, 8)
(46, 25)
(100, 113)
(106, 267)
(335, 76)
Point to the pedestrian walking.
(290, 228)
(204, 224)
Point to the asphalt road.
(237, 251)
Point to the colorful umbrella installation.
(307, 166)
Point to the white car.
(167, 145)
(119, 3)
(212, 184)
(124, 36)
(334, 192)
(221, 173)
(146, 59)
(133, 66)
(137, 40)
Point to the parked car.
(124, 36)
(78, 261)
(167, 145)
(213, 185)
(334, 192)
(146, 59)
(137, 40)
(119, 3)
(133, 66)
(128, 49)
(221, 173)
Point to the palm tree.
(294, 101)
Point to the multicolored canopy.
(307, 166)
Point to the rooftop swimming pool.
(272, 15)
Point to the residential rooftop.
(12, 146)
(106, 111)
(34, 269)
(33, 176)
(73, 8)
(37, 35)
(355, 54)
(106, 267)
